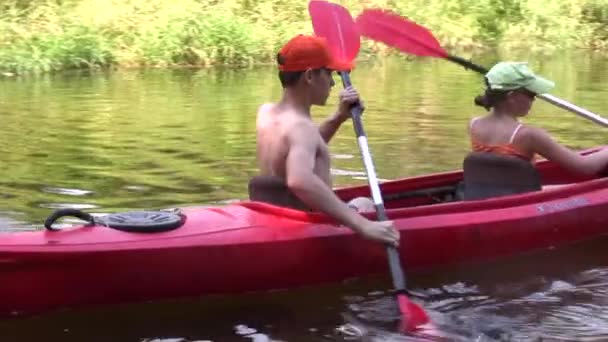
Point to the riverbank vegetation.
(38, 36)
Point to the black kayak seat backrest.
(273, 190)
(488, 175)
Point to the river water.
(133, 139)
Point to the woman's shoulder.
(532, 130)
(475, 119)
(478, 117)
(533, 136)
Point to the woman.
(510, 93)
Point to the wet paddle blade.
(413, 315)
(398, 32)
(333, 22)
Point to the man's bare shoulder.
(302, 132)
(286, 122)
(265, 110)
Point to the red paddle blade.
(396, 31)
(412, 315)
(334, 23)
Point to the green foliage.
(495, 16)
(47, 35)
(594, 15)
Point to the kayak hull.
(253, 246)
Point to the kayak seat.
(489, 175)
(273, 190)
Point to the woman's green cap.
(515, 75)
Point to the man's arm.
(311, 190)
(330, 126)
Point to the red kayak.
(255, 246)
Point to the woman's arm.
(543, 144)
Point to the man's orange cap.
(309, 52)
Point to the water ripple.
(564, 311)
(66, 191)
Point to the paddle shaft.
(392, 253)
(547, 97)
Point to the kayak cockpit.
(484, 176)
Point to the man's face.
(321, 81)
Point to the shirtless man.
(291, 146)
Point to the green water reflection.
(161, 138)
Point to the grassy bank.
(39, 36)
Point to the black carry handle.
(67, 212)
